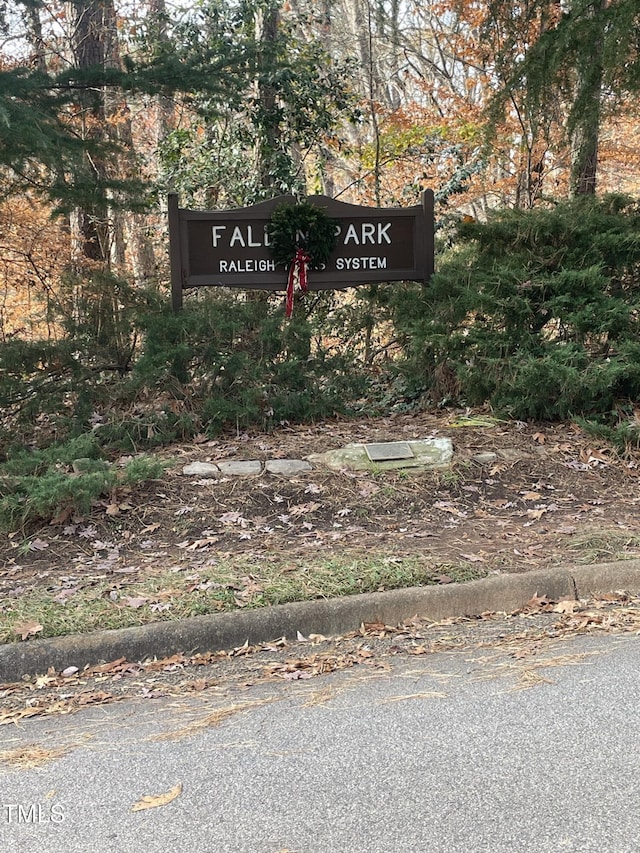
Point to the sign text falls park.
(230, 248)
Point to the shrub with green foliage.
(235, 362)
(536, 312)
(138, 376)
(36, 485)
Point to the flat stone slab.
(287, 467)
(243, 468)
(201, 469)
(426, 454)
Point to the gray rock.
(287, 467)
(512, 454)
(201, 469)
(243, 468)
(429, 453)
(485, 458)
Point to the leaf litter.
(500, 514)
(371, 649)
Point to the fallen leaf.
(38, 545)
(98, 697)
(446, 506)
(317, 638)
(594, 457)
(296, 675)
(499, 468)
(302, 509)
(69, 671)
(368, 489)
(233, 518)
(531, 496)
(134, 602)
(64, 594)
(26, 629)
(150, 802)
(62, 517)
(539, 437)
(537, 602)
(536, 513)
(566, 606)
(201, 543)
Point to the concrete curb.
(497, 593)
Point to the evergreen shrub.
(536, 312)
(234, 362)
(36, 485)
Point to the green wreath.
(302, 226)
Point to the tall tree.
(586, 58)
(289, 96)
(91, 39)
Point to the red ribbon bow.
(297, 273)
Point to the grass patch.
(604, 545)
(225, 586)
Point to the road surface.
(497, 748)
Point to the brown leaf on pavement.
(566, 606)
(152, 802)
(537, 602)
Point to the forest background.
(522, 117)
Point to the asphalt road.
(506, 749)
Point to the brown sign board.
(230, 248)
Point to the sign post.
(230, 248)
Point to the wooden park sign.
(231, 248)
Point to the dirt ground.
(549, 494)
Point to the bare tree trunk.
(129, 245)
(267, 23)
(34, 35)
(326, 155)
(87, 46)
(585, 134)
